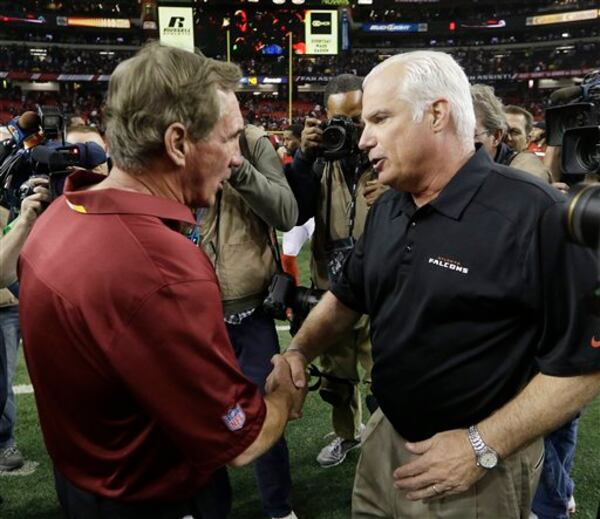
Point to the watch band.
(477, 442)
(487, 457)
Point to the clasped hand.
(289, 374)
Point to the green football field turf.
(318, 493)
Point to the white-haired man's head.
(428, 76)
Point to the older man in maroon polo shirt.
(140, 397)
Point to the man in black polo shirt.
(482, 340)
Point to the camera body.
(52, 122)
(283, 294)
(30, 131)
(51, 161)
(576, 127)
(340, 138)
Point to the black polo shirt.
(469, 296)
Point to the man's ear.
(175, 143)
(440, 114)
(498, 136)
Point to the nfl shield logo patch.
(235, 418)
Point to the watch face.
(488, 460)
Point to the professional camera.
(576, 126)
(52, 161)
(283, 294)
(27, 131)
(340, 137)
(52, 122)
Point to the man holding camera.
(238, 234)
(11, 244)
(337, 187)
(484, 336)
(140, 397)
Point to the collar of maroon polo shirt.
(118, 201)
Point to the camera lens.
(334, 138)
(583, 214)
(581, 151)
(588, 151)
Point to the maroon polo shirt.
(137, 386)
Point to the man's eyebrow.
(377, 113)
(237, 133)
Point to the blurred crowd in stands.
(267, 110)
(473, 12)
(476, 61)
(113, 8)
(478, 39)
(87, 105)
(59, 59)
(74, 38)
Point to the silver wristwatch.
(487, 457)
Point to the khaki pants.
(341, 361)
(505, 492)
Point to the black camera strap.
(319, 375)
(274, 245)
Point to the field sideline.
(318, 493)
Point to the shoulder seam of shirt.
(126, 321)
(555, 197)
(139, 245)
(551, 200)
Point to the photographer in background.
(491, 127)
(11, 244)
(338, 193)
(238, 236)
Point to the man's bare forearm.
(543, 406)
(278, 404)
(10, 248)
(324, 323)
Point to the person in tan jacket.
(237, 233)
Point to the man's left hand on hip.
(444, 465)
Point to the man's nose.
(366, 141)
(236, 161)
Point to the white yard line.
(25, 389)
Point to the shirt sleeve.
(176, 358)
(349, 287)
(570, 341)
(265, 188)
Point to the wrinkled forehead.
(231, 116)
(385, 82)
(345, 103)
(383, 91)
(516, 120)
